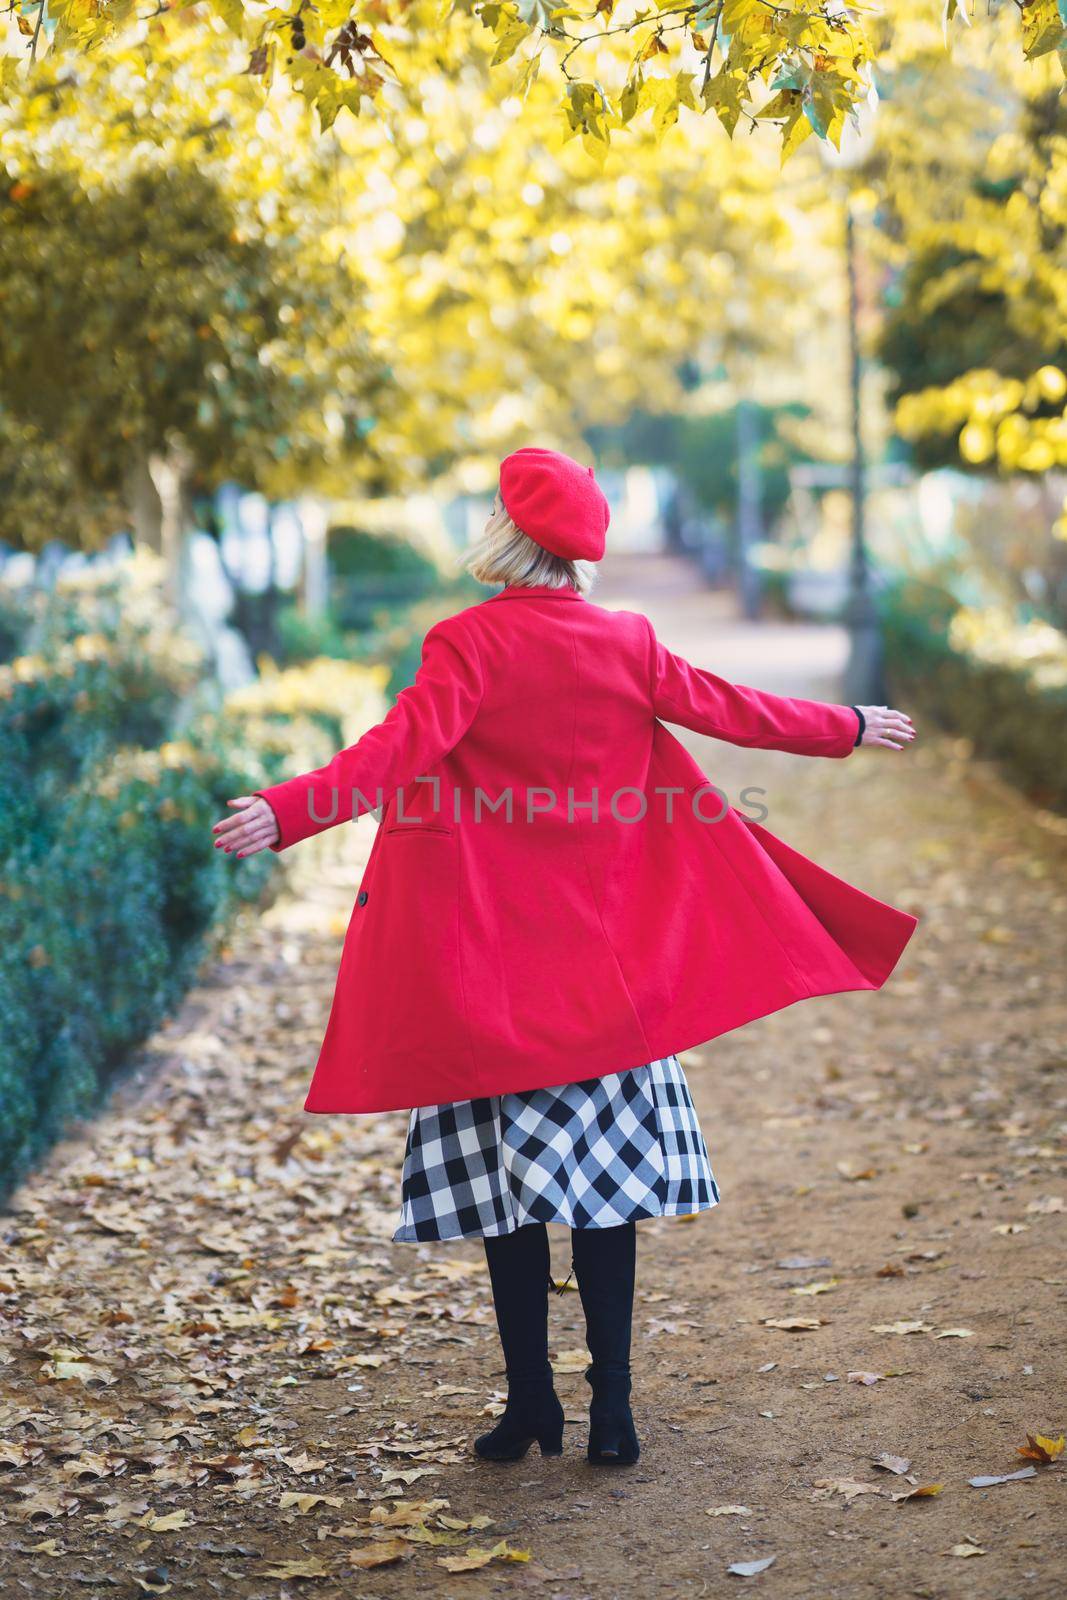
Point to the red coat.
(486, 955)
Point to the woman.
(557, 902)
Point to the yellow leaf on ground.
(408, 1513)
(307, 1502)
(382, 1553)
(310, 1567)
(168, 1523)
(571, 1361)
(1039, 1448)
(303, 1463)
(474, 1558)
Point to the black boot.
(520, 1276)
(604, 1263)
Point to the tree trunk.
(314, 518)
(144, 505)
(170, 473)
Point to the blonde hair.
(502, 553)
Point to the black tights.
(604, 1261)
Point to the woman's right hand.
(886, 727)
(252, 827)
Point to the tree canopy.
(800, 64)
(184, 266)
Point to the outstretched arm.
(697, 699)
(428, 719)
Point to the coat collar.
(536, 591)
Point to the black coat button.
(361, 898)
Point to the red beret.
(556, 501)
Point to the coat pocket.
(404, 986)
(415, 826)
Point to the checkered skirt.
(592, 1155)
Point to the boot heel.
(551, 1444)
(612, 1437)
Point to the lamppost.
(864, 671)
(749, 508)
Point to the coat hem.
(674, 1043)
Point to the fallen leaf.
(1038, 1448)
(76, 1372)
(407, 1513)
(728, 1511)
(902, 1327)
(848, 1487)
(856, 1174)
(966, 1550)
(154, 1582)
(864, 1377)
(793, 1324)
(382, 1553)
(310, 1567)
(955, 1333)
(474, 1558)
(897, 1464)
(1047, 1206)
(922, 1491)
(307, 1502)
(302, 1463)
(570, 1361)
(90, 1465)
(815, 1288)
(169, 1522)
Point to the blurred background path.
(234, 1382)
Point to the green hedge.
(110, 887)
(1014, 711)
(102, 930)
(88, 669)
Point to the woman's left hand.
(253, 827)
(884, 726)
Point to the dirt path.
(221, 1377)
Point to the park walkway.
(221, 1377)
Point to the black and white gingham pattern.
(592, 1155)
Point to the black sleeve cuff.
(863, 725)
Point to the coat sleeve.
(696, 699)
(428, 719)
